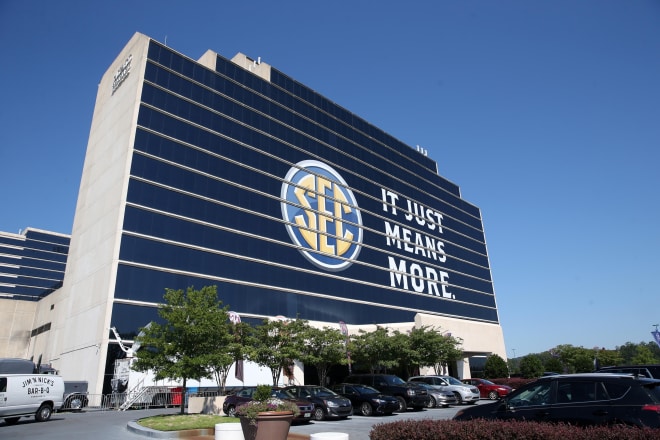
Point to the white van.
(26, 395)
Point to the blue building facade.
(32, 263)
(248, 184)
(227, 172)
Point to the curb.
(136, 428)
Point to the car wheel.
(43, 413)
(493, 395)
(459, 399)
(403, 406)
(432, 403)
(231, 411)
(11, 420)
(319, 414)
(366, 409)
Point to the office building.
(230, 173)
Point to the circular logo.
(321, 215)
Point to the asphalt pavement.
(113, 425)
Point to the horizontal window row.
(140, 284)
(56, 266)
(281, 93)
(360, 181)
(252, 260)
(252, 213)
(300, 115)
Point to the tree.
(431, 347)
(187, 342)
(643, 356)
(531, 366)
(228, 351)
(323, 348)
(495, 367)
(553, 364)
(449, 351)
(372, 350)
(277, 344)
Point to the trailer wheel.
(77, 402)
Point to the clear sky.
(546, 113)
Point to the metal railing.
(148, 397)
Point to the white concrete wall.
(80, 330)
(16, 323)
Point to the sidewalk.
(196, 434)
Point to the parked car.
(410, 395)
(437, 396)
(367, 400)
(464, 393)
(651, 371)
(578, 399)
(327, 403)
(488, 389)
(244, 395)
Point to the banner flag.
(239, 370)
(656, 336)
(235, 318)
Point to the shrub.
(513, 382)
(503, 430)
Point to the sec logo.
(322, 216)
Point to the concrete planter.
(271, 425)
(206, 405)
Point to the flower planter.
(271, 425)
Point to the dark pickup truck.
(408, 394)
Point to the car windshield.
(394, 380)
(321, 392)
(364, 389)
(453, 381)
(282, 394)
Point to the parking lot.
(111, 425)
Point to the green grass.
(180, 422)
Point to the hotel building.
(227, 172)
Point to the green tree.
(553, 364)
(403, 352)
(608, 357)
(186, 343)
(323, 348)
(531, 366)
(430, 346)
(574, 359)
(643, 355)
(495, 367)
(628, 352)
(450, 351)
(277, 344)
(228, 351)
(372, 350)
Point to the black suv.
(578, 399)
(408, 394)
(652, 371)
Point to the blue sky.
(546, 113)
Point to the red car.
(488, 389)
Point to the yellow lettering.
(309, 235)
